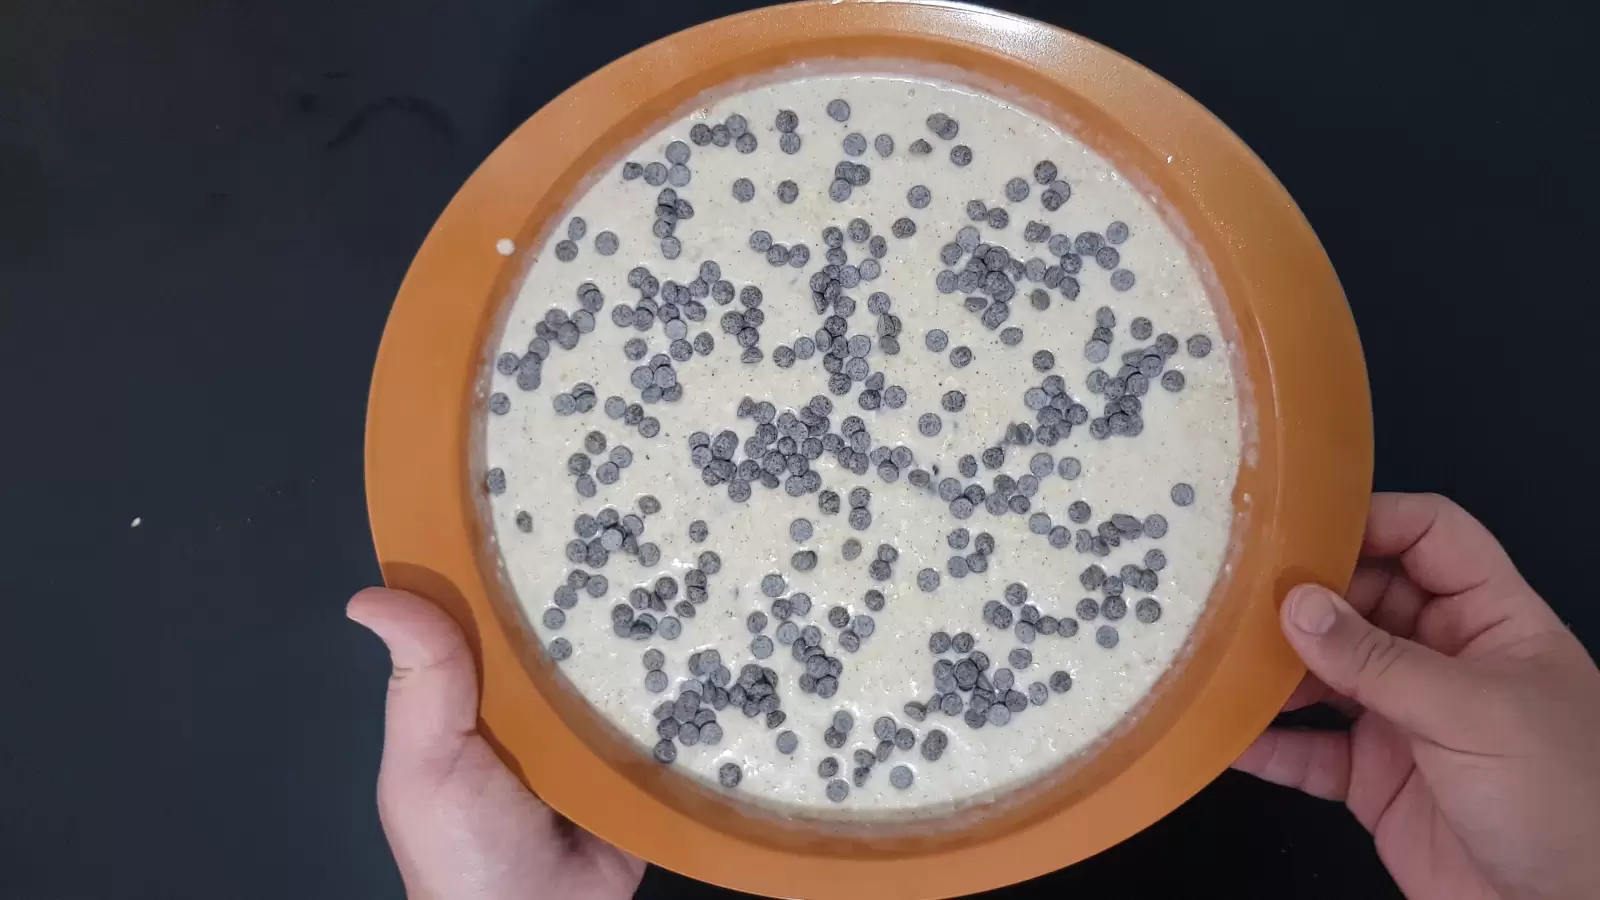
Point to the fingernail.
(1311, 609)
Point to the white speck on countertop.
(137, 521)
(506, 247)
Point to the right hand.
(1474, 759)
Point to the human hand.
(1474, 759)
(460, 824)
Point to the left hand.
(460, 824)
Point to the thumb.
(433, 692)
(1419, 689)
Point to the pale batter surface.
(1189, 437)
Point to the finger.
(1446, 552)
(1419, 689)
(1367, 584)
(1371, 587)
(1381, 760)
(1381, 593)
(1399, 606)
(1440, 545)
(433, 692)
(1374, 593)
(1317, 762)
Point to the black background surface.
(206, 208)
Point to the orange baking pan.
(1300, 499)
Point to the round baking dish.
(1300, 498)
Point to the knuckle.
(1375, 654)
(1432, 507)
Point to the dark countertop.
(205, 210)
